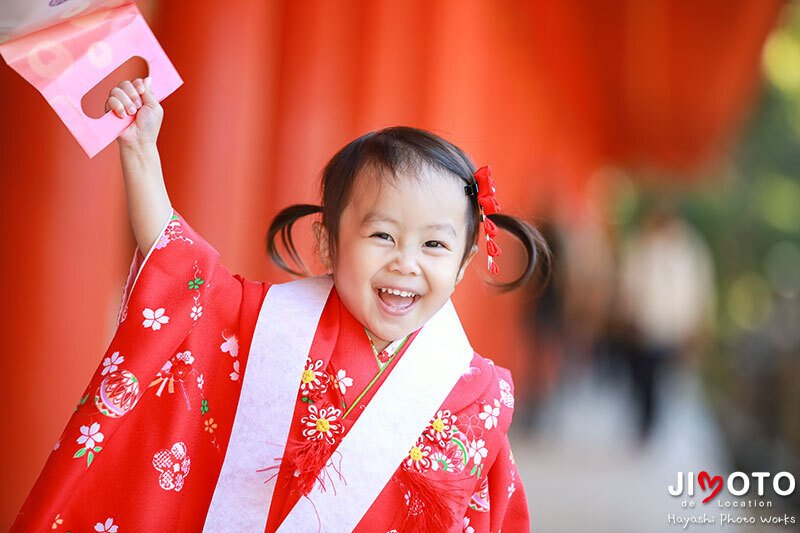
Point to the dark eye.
(383, 236)
(435, 244)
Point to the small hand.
(136, 98)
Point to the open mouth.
(396, 301)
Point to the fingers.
(147, 93)
(128, 97)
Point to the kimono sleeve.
(505, 506)
(164, 301)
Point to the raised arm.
(149, 206)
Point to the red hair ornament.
(485, 192)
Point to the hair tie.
(484, 188)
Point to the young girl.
(349, 401)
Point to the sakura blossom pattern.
(231, 347)
(106, 527)
(154, 318)
(89, 438)
(110, 364)
(490, 414)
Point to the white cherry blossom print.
(231, 345)
(106, 527)
(342, 381)
(154, 319)
(200, 381)
(235, 374)
(90, 436)
(197, 312)
(505, 393)
(477, 451)
(111, 364)
(468, 528)
(173, 465)
(490, 414)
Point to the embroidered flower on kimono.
(440, 428)
(322, 423)
(342, 381)
(414, 503)
(231, 345)
(195, 283)
(210, 425)
(154, 319)
(235, 374)
(505, 393)
(90, 435)
(477, 451)
(200, 381)
(197, 312)
(419, 457)
(490, 414)
(174, 466)
(449, 459)
(57, 521)
(468, 528)
(110, 363)
(313, 379)
(108, 527)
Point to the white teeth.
(398, 292)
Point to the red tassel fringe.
(430, 501)
(307, 462)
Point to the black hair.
(394, 150)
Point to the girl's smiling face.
(399, 249)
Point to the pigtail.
(282, 223)
(536, 249)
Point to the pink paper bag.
(65, 47)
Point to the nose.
(405, 262)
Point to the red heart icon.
(706, 481)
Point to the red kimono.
(148, 446)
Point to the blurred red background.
(545, 92)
